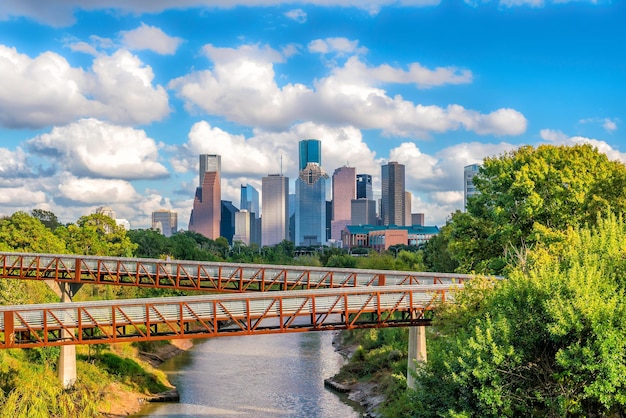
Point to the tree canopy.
(528, 195)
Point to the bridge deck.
(203, 276)
(217, 315)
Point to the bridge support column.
(66, 367)
(417, 353)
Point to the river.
(280, 375)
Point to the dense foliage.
(527, 196)
(549, 341)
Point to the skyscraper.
(310, 152)
(469, 171)
(165, 221)
(209, 162)
(249, 200)
(206, 213)
(364, 186)
(275, 207)
(393, 198)
(311, 196)
(344, 190)
(227, 221)
(407, 209)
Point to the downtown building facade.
(393, 198)
(311, 207)
(165, 221)
(344, 191)
(275, 209)
(469, 190)
(205, 216)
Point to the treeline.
(547, 341)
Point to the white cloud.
(84, 190)
(242, 87)
(297, 15)
(46, 90)
(255, 157)
(61, 12)
(608, 124)
(150, 38)
(94, 148)
(20, 196)
(340, 46)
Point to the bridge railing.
(204, 276)
(217, 315)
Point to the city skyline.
(110, 104)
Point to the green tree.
(549, 341)
(48, 218)
(530, 192)
(150, 243)
(24, 233)
(96, 234)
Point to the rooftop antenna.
(281, 164)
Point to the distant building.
(417, 219)
(165, 221)
(242, 227)
(393, 197)
(380, 237)
(209, 163)
(364, 186)
(106, 211)
(311, 196)
(407, 209)
(207, 207)
(344, 191)
(249, 200)
(227, 221)
(363, 212)
(469, 171)
(275, 209)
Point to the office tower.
(249, 200)
(407, 209)
(392, 200)
(206, 213)
(364, 186)
(209, 162)
(344, 190)
(275, 207)
(311, 196)
(417, 219)
(242, 226)
(106, 211)
(165, 221)
(469, 171)
(227, 221)
(310, 152)
(362, 212)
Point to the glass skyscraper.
(310, 152)
(275, 206)
(310, 216)
(249, 200)
(364, 186)
(393, 197)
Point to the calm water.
(278, 375)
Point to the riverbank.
(366, 394)
(120, 402)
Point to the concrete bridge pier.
(417, 353)
(66, 367)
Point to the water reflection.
(280, 375)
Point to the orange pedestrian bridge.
(246, 299)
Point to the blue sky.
(110, 103)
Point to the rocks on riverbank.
(365, 394)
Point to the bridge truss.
(202, 276)
(203, 316)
